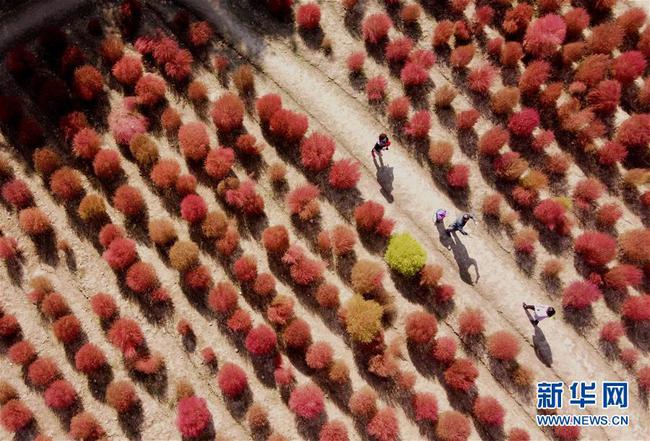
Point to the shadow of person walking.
(461, 256)
(541, 345)
(384, 178)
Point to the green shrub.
(405, 254)
(363, 318)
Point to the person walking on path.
(460, 223)
(540, 312)
(380, 146)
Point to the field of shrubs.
(197, 243)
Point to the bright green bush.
(405, 254)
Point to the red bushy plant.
(480, 79)
(398, 108)
(363, 402)
(511, 53)
(297, 335)
(544, 35)
(623, 275)
(462, 55)
(319, 355)
(605, 37)
(288, 126)
(489, 411)
(595, 247)
(65, 183)
(302, 201)
(222, 298)
(246, 199)
(199, 33)
(533, 77)
(193, 140)
(472, 322)
(121, 395)
(628, 66)
(228, 113)
(15, 416)
(458, 176)
(444, 350)
(398, 50)
(128, 200)
(611, 153)
(106, 164)
(327, 295)
(127, 70)
(384, 426)
(232, 380)
(267, 105)
(245, 268)
(103, 305)
(419, 124)
(421, 327)
(524, 122)
(634, 132)
(34, 222)
(637, 308)
(502, 345)
(275, 239)
(22, 353)
(126, 335)
(88, 82)
(493, 140)
(452, 426)
(306, 401)
(89, 358)
(612, 331)
(150, 89)
(376, 88)
(67, 329)
(43, 371)
(261, 340)
(375, 27)
(316, 151)
(193, 208)
(461, 374)
(442, 32)
(141, 277)
(8, 248)
(466, 119)
(219, 162)
(605, 96)
(552, 214)
(333, 430)
(16, 193)
(425, 406)
(344, 174)
(60, 395)
(608, 214)
(193, 416)
(587, 191)
(580, 295)
(567, 433)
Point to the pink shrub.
(623, 275)
(398, 50)
(344, 174)
(16, 193)
(200, 33)
(306, 401)
(222, 298)
(103, 305)
(580, 295)
(192, 416)
(267, 105)
(301, 199)
(605, 96)
(511, 52)
(524, 122)
(333, 430)
(319, 355)
(628, 66)
(544, 35)
(120, 253)
(193, 208)
(384, 426)
(15, 416)
(106, 164)
(8, 248)
(587, 191)
(245, 268)
(375, 27)
(150, 89)
(60, 395)
(612, 331)
(355, 61)
(194, 141)
(22, 353)
(288, 126)
(533, 77)
(567, 433)
(261, 340)
(458, 176)
(461, 374)
(634, 131)
(444, 350)
(421, 327)
(502, 345)
(552, 214)
(480, 79)
(489, 411)
(419, 124)
(316, 151)
(493, 140)
(461, 56)
(219, 162)
(125, 122)
(413, 74)
(88, 82)
(228, 113)
(422, 57)
(595, 247)
(127, 70)
(141, 277)
(232, 380)
(611, 153)
(637, 308)
(128, 200)
(297, 335)
(89, 358)
(126, 335)
(425, 406)
(376, 88)
(246, 199)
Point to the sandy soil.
(317, 85)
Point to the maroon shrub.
(316, 151)
(595, 247)
(232, 380)
(344, 174)
(580, 295)
(306, 401)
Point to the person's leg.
(531, 307)
(462, 231)
(534, 322)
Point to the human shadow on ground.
(461, 256)
(541, 345)
(385, 178)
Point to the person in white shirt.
(540, 312)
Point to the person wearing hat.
(380, 145)
(540, 312)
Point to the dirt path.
(349, 122)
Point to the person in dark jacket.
(380, 145)
(460, 223)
